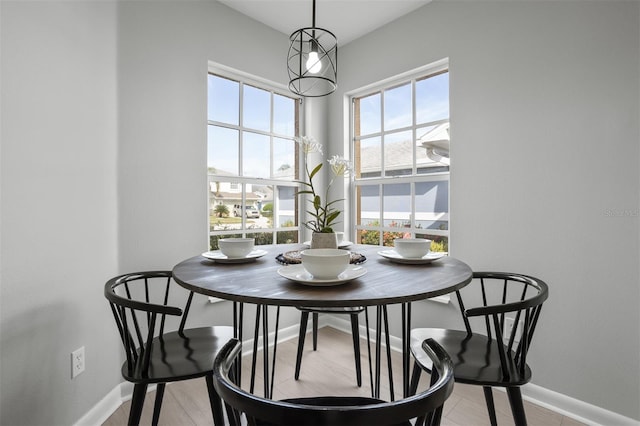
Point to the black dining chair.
(353, 313)
(425, 407)
(140, 305)
(500, 317)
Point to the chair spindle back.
(506, 299)
(138, 317)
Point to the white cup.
(412, 248)
(325, 264)
(340, 237)
(236, 247)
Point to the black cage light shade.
(313, 61)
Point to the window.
(401, 155)
(252, 160)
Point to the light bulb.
(313, 63)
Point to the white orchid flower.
(309, 144)
(340, 165)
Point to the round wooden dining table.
(384, 283)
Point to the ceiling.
(347, 19)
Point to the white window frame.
(411, 76)
(252, 80)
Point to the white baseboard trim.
(562, 404)
(103, 409)
(557, 402)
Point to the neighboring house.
(432, 156)
(230, 194)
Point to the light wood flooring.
(329, 371)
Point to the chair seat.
(335, 401)
(475, 359)
(178, 357)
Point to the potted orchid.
(324, 213)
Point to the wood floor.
(329, 371)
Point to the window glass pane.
(257, 197)
(256, 109)
(432, 148)
(369, 205)
(287, 237)
(397, 107)
(256, 153)
(224, 200)
(369, 113)
(369, 160)
(398, 154)
(284, 109)
(250, 149)
(223, 100)
(287, 201)
(412, 144)
(368, 208)
(432, 205)
(284, 152)
(432, 98)
(222, 152)
(397, 205)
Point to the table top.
(385, 282)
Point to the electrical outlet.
(77, 362)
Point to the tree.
(221, 210)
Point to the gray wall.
(104, 158)
(59, 207)
(103, 172)
(544, 152)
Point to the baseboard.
(562, 404)
(103, 409)
(123, 391)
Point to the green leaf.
(316, 202)
(332, 216)
(314, 171)
(334, 201)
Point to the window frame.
(380, 87)
(243, 79)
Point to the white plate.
(221, 258)
(393, 256)
(297, 273)
(343, 244)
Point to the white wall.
(103, 171)
(163, 54)
(59, 208)
(544, 148)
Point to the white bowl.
(412, 248)
(325, 264)
(236, 247)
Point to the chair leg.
(304, 319)
(215, 402)
(415, 378)
(315, 331)
(137, 402)
(517, 407)
(355, 333)
(158, 403)
(488, 396)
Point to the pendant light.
(313, 60)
